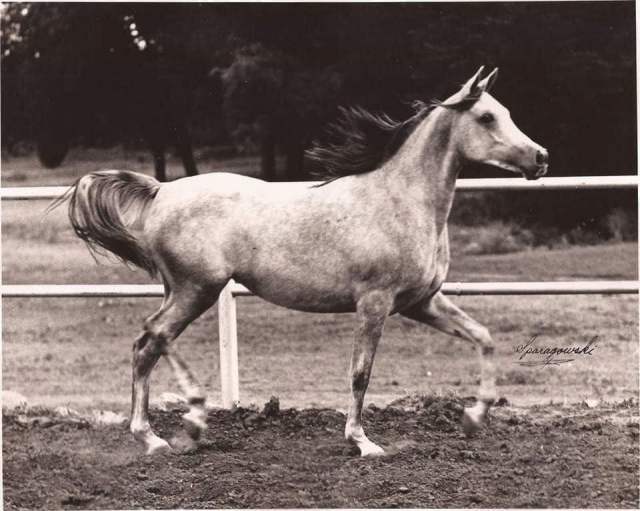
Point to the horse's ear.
(471, 87)
(487, 82)
(469, 93)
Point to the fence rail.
(448, 288)
(227, 303)
(471, 185)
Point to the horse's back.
(212, 184)
(218, 226)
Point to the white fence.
(227, 303)
(470, 185)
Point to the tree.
(271, 98)
(567, 69)
(97, 74)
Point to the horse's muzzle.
(541, 165)
(537, 173)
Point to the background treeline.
(265, 79)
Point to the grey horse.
(371, 240)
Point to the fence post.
(229, 384)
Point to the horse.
(371, 239)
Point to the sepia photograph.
(337, 255)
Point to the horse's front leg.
(439, 312)
(372, 312)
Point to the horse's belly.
(298, 294)
(336, 288)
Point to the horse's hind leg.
(146, 353)
(195, 420)
(372, 312)
(439, 312)
(145, 357)
(178, 310)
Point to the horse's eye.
(487, 118)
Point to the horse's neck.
(426, 168)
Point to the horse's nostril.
(542, 157)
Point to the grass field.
(77, 352)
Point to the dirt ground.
(541, 456)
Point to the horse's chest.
(423, 274)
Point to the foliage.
(103, 72)
(498, 238)
(267, 89)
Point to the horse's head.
(486, 134)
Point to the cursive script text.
(552, 356)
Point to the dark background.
(265, 79)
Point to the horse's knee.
(483, 338)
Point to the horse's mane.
(361, 141)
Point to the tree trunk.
(183, 146)
(294, 169)
(268, 155)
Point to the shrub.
(621, 225)
(499, 238)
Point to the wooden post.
(229, 381)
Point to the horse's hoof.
(183, 444)
(157, 445)
(194, 424)
(472, 420)
(371, 450)
(469, 426)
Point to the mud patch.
(546, 456)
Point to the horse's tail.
(107, 207)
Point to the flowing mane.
(361, 141)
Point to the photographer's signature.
(552, 355)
